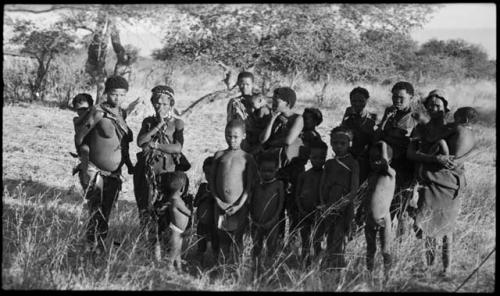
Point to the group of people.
(260, 180)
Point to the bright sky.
(473, 22)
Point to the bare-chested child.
(307, 198)
(174, 186)
(81, 104)
(233, 175)
(266, 204)
(375, 208)
(204, 203)
(256, 123)
(312, 118)
(338, 186)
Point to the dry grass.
(44, 213)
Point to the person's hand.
(390, 112)
(231, 210)
(446, 161)
(161, 122)
(275, 114)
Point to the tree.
(43, 45)
(291, 40)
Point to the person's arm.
(179, 132)
(145, 134)
(292, 135)
(281, 204)
(91, 119)
(298, 192)
(388, 114)
(323, 185)
(181, 206)
(266, 134)
(212, 182)
(250, 174)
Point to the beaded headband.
(164, 92)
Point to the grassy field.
(44, 212)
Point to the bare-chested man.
(233, 174)
(105, 131)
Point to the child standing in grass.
(361, 123)
(231, 183)
(338, 186)
(307, 198)
(266, 204)
(204, 203)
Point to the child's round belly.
(264, 210)
(105, 153)
(179, 220)
(229, 187)
(381, 202)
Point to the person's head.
(245, 83)
(257, 101)
(115, 88)
(436, 104)
(162, 99)
(402, 92)
(268, 165)
(284, 98)
(375, 155)
(465, 115)
(312, 118)
(341, 140)
(173, 183)
(359, 97)
(235, 133)
(317, 157)
(81, 103)
(207, 166)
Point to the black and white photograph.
(267, 147)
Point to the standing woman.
(282, 136)
(442, 177)
(161, 138)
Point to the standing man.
(108, 137)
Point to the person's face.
(162, 106)
(234, 136)
(206, 171)
(279, 105)
(309, 122)
(267, 170)
(317, 157)
(81, 108)
(340, 144)
(435, 108)
(358, 102)
(401, 99)
(375, 157)
(116, 95)
(245, 85)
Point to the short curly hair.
(468, 113)
(360, 90)
(316, 113)
(342, 130)
(82, 97)
(286, 94)
(403, 85)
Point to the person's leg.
(112, 187)
(385, 243)
(175, 248)
(336, 242)
(447, 242)
(371, 244)
(430, 250)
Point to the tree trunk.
(96, 60)
(123, 60)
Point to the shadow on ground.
(48, 193)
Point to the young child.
(361, 123)
(266, 205)
(338, 186)
(174, 186)
(375, 207)
(256, 123)
(233, 175)
(312, 118)
(81, 104)
(204, 203)
(307, 197)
